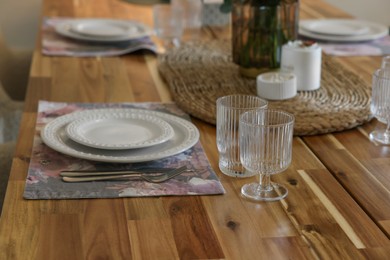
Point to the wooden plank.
(193, 233)
(141, 79)
(360, 229)
(57, 227)
(152, 239)
(364, 186)
(58, 8)
(104, 234)
(117, 86)
(19, 224)
(150, 229)
(337, 207)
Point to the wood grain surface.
(338, 206)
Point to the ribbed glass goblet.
(266, 148)
(380, 104)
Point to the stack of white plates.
(103, 30)
(120, 135)
(342, 30)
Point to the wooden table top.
(338, 206)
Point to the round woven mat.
(198, 73)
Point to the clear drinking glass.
(380, 104)
(168, 24)
(266, 148)
(386, 63)
(229, 109)
(192, 17)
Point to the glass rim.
(378, 73)
(220, 100)
(290, 116)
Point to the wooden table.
(338, 205)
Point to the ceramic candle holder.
(304, 60)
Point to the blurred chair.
(6, 153)
(10, 115)
(19, 23)
(14, 71)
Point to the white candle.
(304, 60)
(276, 85)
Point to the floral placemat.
(44, 182)
(54, 44)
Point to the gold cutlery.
(122, 172)
(156, 178)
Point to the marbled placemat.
(43, 180)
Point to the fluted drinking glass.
(380, 104)
(386, 62)
(266, 148)
(229, 109)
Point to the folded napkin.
(43, 180)
(56, 45)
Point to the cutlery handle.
(97, 173)
(99, 178)
(103, 173)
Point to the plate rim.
(190, 139)
(166, 130)
(119, 23)
(64, 28)
(377, 31)
(307, 26)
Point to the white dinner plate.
(116, 131)
(103, 28)
(87, 29)
(363, 31)
(185, 136)
(341, 27)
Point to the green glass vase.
(259, 30)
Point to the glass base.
(167, 44)
(238, 171)
(380, 137)
(255, 192)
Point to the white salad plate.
(185, 136)
(339, 27)
(102, 30)
(342, 30)
(116, 131)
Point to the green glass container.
(259, 30)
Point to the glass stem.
(265, 182)
(387, 132)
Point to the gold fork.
(156, 178)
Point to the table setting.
(127, 149)
(90, 37)
(80, 187)
(347, 37)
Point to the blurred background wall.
(370, 10)
(19, 22)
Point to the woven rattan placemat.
(198, 73)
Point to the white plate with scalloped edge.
(322, 30)
(103, 27)
(119, 131)
(185, 136)
(102, 30)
